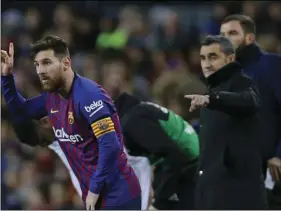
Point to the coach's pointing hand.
(197, 101)
(274, 165)
(7, 61)
(91, 200)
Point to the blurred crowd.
(149, 50)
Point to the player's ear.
(66, 62)
(250, 38)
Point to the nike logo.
(54, 111)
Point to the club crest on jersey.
(103, 124)
(70, 118)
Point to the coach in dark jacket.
(230, 171)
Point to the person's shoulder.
(271, 59)
(243, 76)
(86, 88)
(273, 63)
(85, 84)
(272, 56)
(88, 91)
(245, 79)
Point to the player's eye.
(214, 57)
(233, 33)
(47, 62)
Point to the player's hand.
(274, 165)
(151, 196)
(151, 208)
(197, 101)
(91, 200)
(7, 61)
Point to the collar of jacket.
(248, 53)
(223, 74)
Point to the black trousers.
(174, 186)
(230, 194)
(274, 197)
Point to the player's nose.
(40, 70)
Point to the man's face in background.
(235, 33)
(114, 78)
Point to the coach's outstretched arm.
(34, 107)
(242, 101)
(102, 124)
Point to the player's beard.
(50, 85)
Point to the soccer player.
(85, 122)
(170, 143)
(40, 133)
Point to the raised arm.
(34, 107)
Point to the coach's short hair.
(226, 45)
(247, 23)
(50, 42)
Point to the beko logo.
(95, 107)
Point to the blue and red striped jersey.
(87, 127)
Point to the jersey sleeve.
(97, 112)
(18, 105)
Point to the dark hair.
(247, 24)
(115, 55)
(226, 45)
(52, 42)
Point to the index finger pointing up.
(189, 97)
(11, 49)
